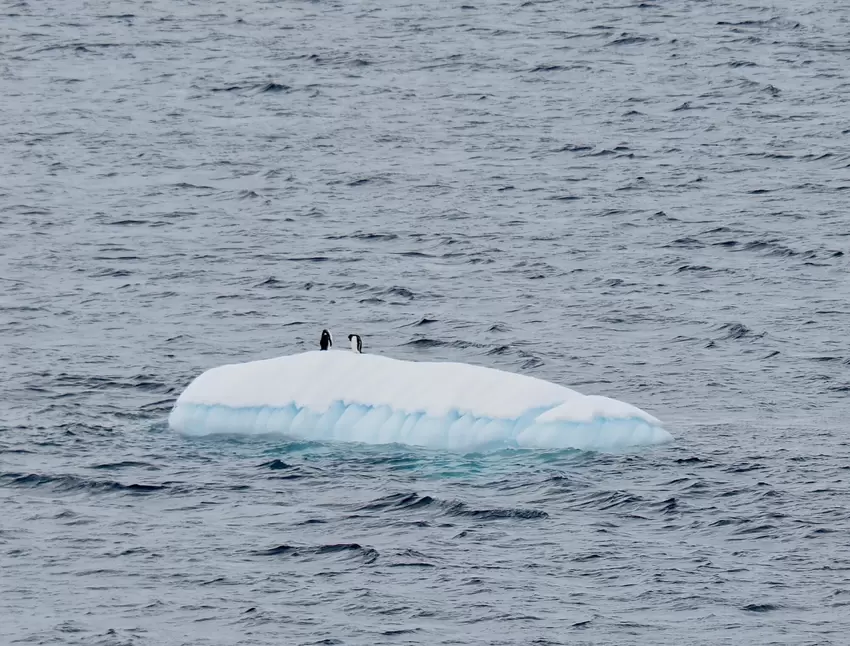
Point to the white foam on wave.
(344, 396)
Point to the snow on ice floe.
(344, 396)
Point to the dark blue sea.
(646, 200)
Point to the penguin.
(326, 341)
(356, 343)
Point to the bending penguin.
(326, 342)
(356, 343)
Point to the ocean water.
(644, 200)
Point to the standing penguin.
(326, 341)
(356, 343)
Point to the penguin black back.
(326, 341)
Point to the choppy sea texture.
(643, 200)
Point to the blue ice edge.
(343, 422)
